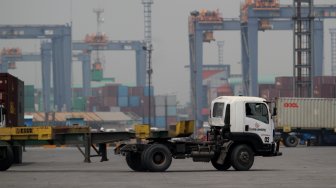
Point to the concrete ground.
(63, 167)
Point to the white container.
(306, 113)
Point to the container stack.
(323, 87)
(12, 99)
(29, 98)
(165, 111)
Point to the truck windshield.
(218, 109)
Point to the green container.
(97, 75)
(79, 104)
(29, 90)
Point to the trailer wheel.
(221, 167)
(157, 158)
(133, 161)
(6, 157)
(242, 157)
(291, 141)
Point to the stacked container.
(165, 111)
(12, 98)
(29, 98)
(323, 87)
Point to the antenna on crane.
(148, 48)
(100, 19)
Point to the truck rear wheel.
(221, 167)
(6, 157)
(242, 157)
(133, 160)
(157, 158)
(291, 141)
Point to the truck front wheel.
(157, 158)
(133, 160)
(6, 157)
(242, 157)
(221, 167)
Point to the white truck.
(306, 120)
(240, 129)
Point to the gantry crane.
(60, 36)
(256, 15)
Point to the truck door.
(257, 120)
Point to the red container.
(284, 83)
(328, 91)
(285, 92)
(110, 101)
(263, 87)
(171, 120)
(319, 80)
(136, 91)
(12, 98)
(110, 90)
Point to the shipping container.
(110, 101)
(12, 98)
(160, 122)
(306, 112)
(171, 120)
(160, 110)
(123, 101)
(313, 118)
(110, 90)
(171, 111)
(134, 101)
(284, 82)
(136, 91)
(160, 100)
(146, 120)
(122, 91)
(148, 91)
(29, 90)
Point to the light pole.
(149, 50)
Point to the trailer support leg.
(102, 152)
(87, 146)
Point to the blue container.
(122, 91)
(171, 111)
(146, 91)
(123, 101)
(146, 120)
(134, 101)
(160, 122)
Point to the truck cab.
(245, 119)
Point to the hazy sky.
(124, 21)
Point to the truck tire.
(221, 167)
(242, 157)
(291, 141)
(17, 152)
(157, 158)
(133, 161)
(6, 157)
